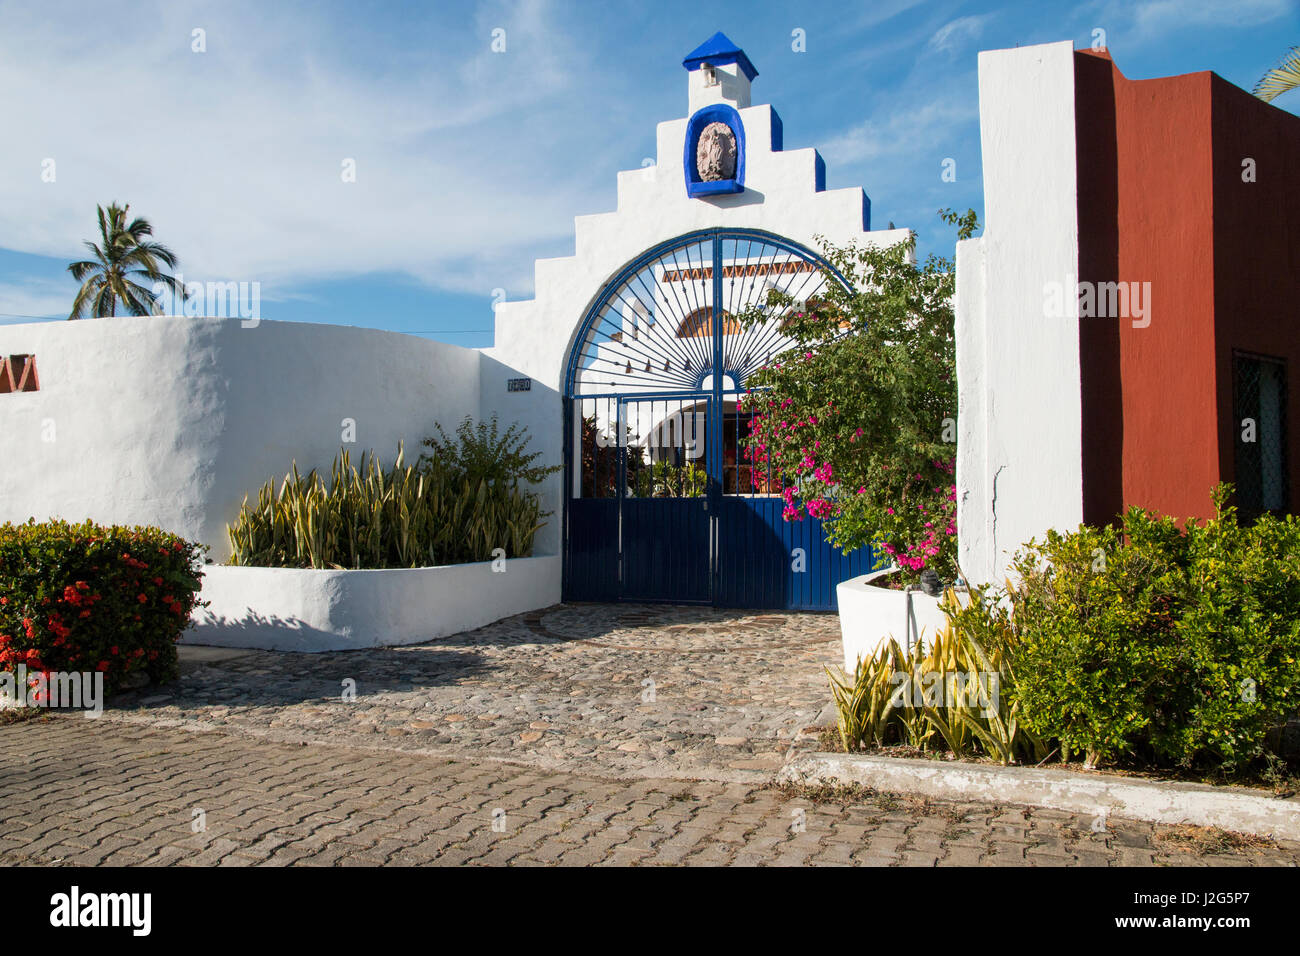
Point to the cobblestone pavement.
(617, 689)
(87, 792)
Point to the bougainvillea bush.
(90, 598)
(860, 414)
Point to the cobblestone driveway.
(564, 728)
(636, 690)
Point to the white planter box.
(870, 615)
(290, 609)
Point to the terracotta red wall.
(1257, 253)
(1160, 201)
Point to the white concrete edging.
(1229, 808)
(293, 609)
(870, 615)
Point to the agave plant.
(369, 516)
(961, 688)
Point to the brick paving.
(90, 792)
(531, 741)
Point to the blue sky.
(471, 164)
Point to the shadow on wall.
(1097, 172)
(258, 631)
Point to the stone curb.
(1229, 808)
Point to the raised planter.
(289, 609)
(871, 614)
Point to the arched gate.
(661, 503)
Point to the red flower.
(102, 666)
(142, 599)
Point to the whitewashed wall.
(171, 421)
(293, 609)
(1019, 461)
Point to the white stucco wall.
(534, 337)
(292, 609)
(1019, 462)
(171, 421)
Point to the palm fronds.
(124, 259)
(1282, 78)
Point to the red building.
(1127, 322)
(1193, 185)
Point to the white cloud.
(29, 298)
(899, 133)
(956, 32)
(235, 154)
(1157, 15)
(1132, 26)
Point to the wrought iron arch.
(660, 504)
(627, 341)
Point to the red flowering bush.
(859, 413)
(86, 597)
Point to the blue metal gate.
(661, 502)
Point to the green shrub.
(86, 597)
(663, 479)
(479, 452)
(457, 505)
(1175, 646)
(958, 689)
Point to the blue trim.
(718, 50)
(866, 212)
(778, 132)
(716, 113)
(819, 172)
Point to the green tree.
(123, 258)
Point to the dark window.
(1259, 403)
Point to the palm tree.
(123, 256)
(1285, 76)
